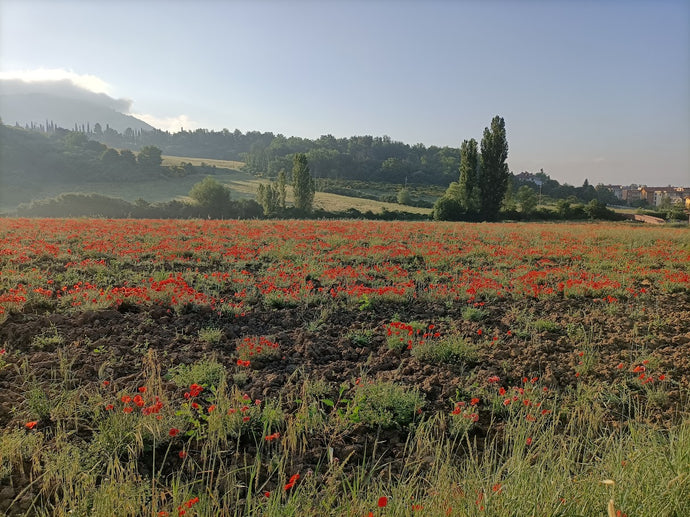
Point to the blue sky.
(588, 89)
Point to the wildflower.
(109, 407)
(31, 425)
(496, 488)
(529, 441)
(291, 483)
(501, 391)
(474, 401)
(138, 400)
(272, 437)
(126, 399)
(662, 377)
(246, 418)
(211, 408)
(383, 501)
(174, 431)
(267, 494)
(106, 383)
(494, 378)
(163, 514)
(195, 405)
(128, 409)
(182, 455)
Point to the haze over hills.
(63, 104)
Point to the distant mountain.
(65, 112)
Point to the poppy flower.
(174, 431)
(383, 501)
(30, 425)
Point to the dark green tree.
(150, 157)
(527, 199)
(213, 197)
(302, 183)
(404, 196)
(269, 198)
(282, 189)
(469, 168)
(493, 169)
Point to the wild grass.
(542, 454)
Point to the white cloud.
(172, 124)
(88, 82)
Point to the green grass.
(527, 466)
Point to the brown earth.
(317, 344)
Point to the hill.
(43, 109)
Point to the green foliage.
(212, 196)
(493, 176)
(527, 199)
(206, 372)
(469, 171)
(268, 197)
(302, 183)
(448, 209)
(385, 404)
(210, 335)
(472, 314)
(150, 157)
(452, 349)
(404, 196)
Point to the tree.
(269, 198)
(527, 199)
(302, 183)
(282, 189)
(469, 165)
(493, 169)
(150, 157)
(212, 196)
(404, 196)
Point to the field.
(351, 368)
(241, 184)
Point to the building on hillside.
(630, 195)
(655, 196)
(616, 190)
(528, 176)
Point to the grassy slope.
(243, 186)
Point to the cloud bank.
(62, 83)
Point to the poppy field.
(170, 368)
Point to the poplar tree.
(302, 183)
(469, 169)
(493, 169)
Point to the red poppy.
(30, 425)
(383, 501)
(174, 432)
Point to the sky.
(595, 89)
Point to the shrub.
(385, 404)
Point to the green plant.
(385, 404)
(207, 373)
(48, 339)
(210, 335)
(473, 314)
(452, 349)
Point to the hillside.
(36, 166)
(43, 108)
